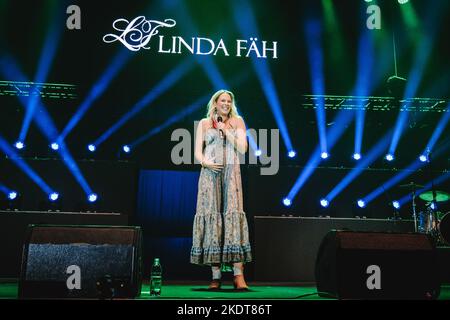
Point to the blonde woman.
(220, 230)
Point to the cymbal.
(441, 196)
(411, 185)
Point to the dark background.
(82, 57)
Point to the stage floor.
(198, 291)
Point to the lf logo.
(74, 280)
(374, 281)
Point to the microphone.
(219, 119)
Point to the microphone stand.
(433, 206)
(414, 208)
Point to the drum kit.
(430, 220)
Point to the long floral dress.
(220, 230)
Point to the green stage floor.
(173, 291)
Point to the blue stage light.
(19, 145)
(361, 203)
(126, 149)
(396, 204)
(389, 157)
(12, 195)
(91, 148)
(292, 154)
(92, 197)
(356, 156)
(324, 155)
(423, 158)
(324, 203)
(258, 153)
(54, 146)
(53, 196)
(287, 202)
(433, 206)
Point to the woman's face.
(223, 104)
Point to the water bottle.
(156, 278)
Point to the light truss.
(334, 102)
(44, 90)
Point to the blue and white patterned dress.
(220, 235)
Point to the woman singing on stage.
(220, 230)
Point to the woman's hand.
(216, 167)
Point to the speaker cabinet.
(370, 265)
(81, 262)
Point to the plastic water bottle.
(156, 278)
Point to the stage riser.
(286, 247)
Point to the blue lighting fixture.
(287, 202)
(324, 155)
(92, 197)
(53, 196)
(126, 149)
(423, 158)
(433, 205)
(356, 156)
(389, 157)
(324, 203)
(258, 153)
(19, 145)
(361, 203)
(54, 146)
(396, 204)
(91, 147)
(12, 195)
(292, 154)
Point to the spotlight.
(53, 196)
(258, 153)
(287, 202)
(126, 148)
(13, 201)
(396, 204)
(54, 146)
(92, 197)
(356, 156)
(423, 158)
(324, 203)
(389, 157)
(91, 148)
(19, 145)
(292, 154)
(12, 195)
(324, 155)
(433, 206)
(361, 203)
(402, 1)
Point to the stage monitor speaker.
(98, 262)
(371, 265)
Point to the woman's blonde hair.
(211, 108)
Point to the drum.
(444, 228)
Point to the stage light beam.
(287, 202)
(361, 203)
(324, 203)
(92, 197)
(53, 196)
